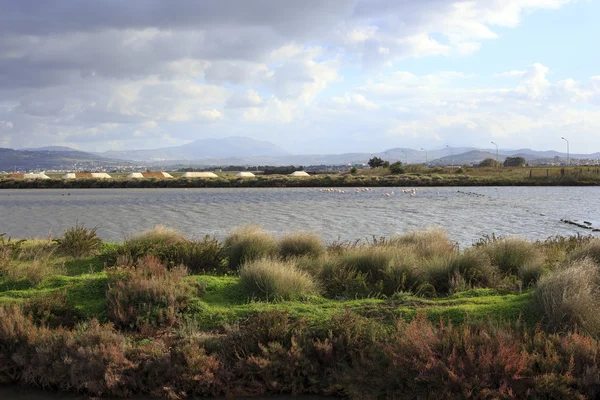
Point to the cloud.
(108, 74)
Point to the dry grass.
(160, 235)
(570, 298)
(431, 242)
(301, 244)
(248, 244)
(33, 262)
(513, 254)
(589, 250)
(271, 279)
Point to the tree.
(386, 164)
(375, 162)
(515, 162)
(489, 162)
(353, 170)
(397, 168)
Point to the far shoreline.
(283, 182)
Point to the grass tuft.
(569, 298)
(589, 250)
(513, 254)
(270, 279)
(248, 244)
(301, 244)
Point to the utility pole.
(451, 157)
(426, 161)
(568, 158)
(497, 163)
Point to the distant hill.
(28, 160)
(534, 154)
(469, 157)
(50, 148)
(234, 146)
(250, 152)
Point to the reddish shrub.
(147, 294)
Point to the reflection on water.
(466, 213)
(15, 392)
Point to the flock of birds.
(410, 192)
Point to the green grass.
(223, 302)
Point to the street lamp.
(568, 159)
(496, 154)
(405, 157)
(426, 161)
(451, 156)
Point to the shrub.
(147, 294)
(203, 256)
(159, 241)
(588, 250)
(417, 168)
(172, 248)
(53, 309)
(439, 272)
(270, 279)
(512, 254)
(427, 243)
(475, 267)
(247, 244)
(396, 168)
(530, 274)
(79, 241)
(340, 281)
(300, 244)
(386, 269)
(569, 298)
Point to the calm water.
(531, 212)
(14, 392)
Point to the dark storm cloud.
(34, 17)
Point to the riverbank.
(163, 315)
(422, 177)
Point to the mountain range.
(234, 146)
(246, 151)
(60, 158)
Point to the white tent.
(70, 175)
(245, 175)
(100, 175)
(41, 175)
(200, 175)
(135, 175)
(299, 173)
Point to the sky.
(312, 76)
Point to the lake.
(466, 213)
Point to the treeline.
(265, 169)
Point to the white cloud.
(154, 72)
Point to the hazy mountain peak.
(233, 146)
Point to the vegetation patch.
(270, 279)
(411, 316)
(147, 293)
(248, 244)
